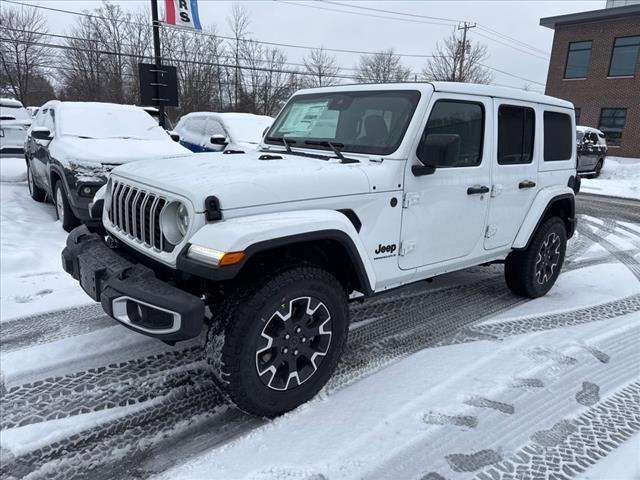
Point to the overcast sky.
(316, 23)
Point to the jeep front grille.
(136, 214)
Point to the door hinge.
(406, 247)
(410, 198)
(490, 231)
(496, 189)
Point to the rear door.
(192, 134)
(514, 175)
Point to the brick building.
(595, 65)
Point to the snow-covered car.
(72, 146)
(216, 132)
(355, 190)
(591, 146)
(14, 123)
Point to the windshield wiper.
(333, 146)
(287, 143)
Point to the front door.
(515, 170)
(445, 212)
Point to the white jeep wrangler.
(355, 190)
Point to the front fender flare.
(541, 204)
(256, 233)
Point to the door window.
(214, 127)
(558, 135)
(465, 119)
(195, 125)
(516, 129)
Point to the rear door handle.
(526, 184)
(477, 190)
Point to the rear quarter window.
(558, 137)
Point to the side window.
(612, 121)
(214, 127)
(516, 130)
(558, 136)
(49, 120)
(465, 119)
(578, 58)
(39, 120)
(195, 125)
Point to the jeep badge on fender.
(267, 271)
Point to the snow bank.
(31, 275)
(620, 177)
(13, 169)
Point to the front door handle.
(477, 190)
(526, 184)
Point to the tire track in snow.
(48, 327)
(577, 444)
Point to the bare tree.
(382, 67)
(239, 23)
(321, 68)
(448, 64)
(23, 49)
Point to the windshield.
(370, 122)
(96, 120)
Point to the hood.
(115, 150)
(243, 180)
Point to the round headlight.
(174, 221)
(183, 219)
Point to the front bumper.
(130, 292)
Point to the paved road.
(172, 388)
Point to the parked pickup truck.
(355, 190)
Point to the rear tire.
(598, 169)
(275, 344)
(37, 193)
(532, 272)
(63, 209)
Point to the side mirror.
(7, 117)
(41, 133)
(437, 149)
(218, 139)
(175, 136)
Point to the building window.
(612, 122)
(558, 137)
(578, 112)
(578, 59)
(516, 127)
(624, 56)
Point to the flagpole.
(157, 55)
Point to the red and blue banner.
(182, 13)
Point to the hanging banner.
(182, 13)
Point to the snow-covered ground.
(31, 239)
(457, 379)
(620, 177)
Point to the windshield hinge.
(406, 247)
(410, 198)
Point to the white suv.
(355, 190)
(15, 120)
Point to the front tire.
(63, 209)
(532, 272)
(37, 193)
(275, 345)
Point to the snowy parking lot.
(453, 379)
